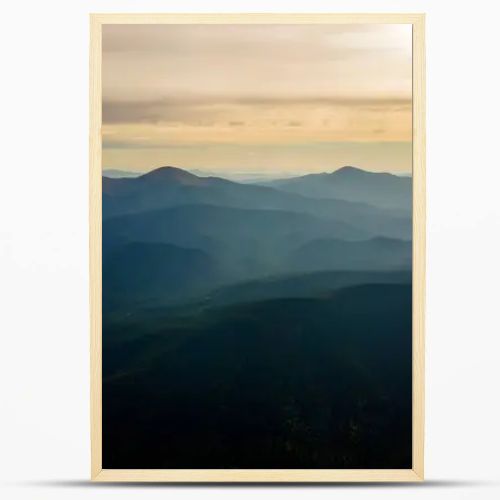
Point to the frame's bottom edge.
(257, 475)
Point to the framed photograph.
(257, 247)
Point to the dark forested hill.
(284, 383)
(145, 273)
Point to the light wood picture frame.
(416, 473)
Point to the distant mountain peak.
(168, 171)
(171, 173)
(347, 173)
(349, 170)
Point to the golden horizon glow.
(260, 98)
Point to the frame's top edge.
(253, 17)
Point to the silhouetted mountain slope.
(148, 273)
(315, 284)
(319, 284)
(374, 254)
(353, 184)
(169, 187)
(287, 383)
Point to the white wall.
(44, 249)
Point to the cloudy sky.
(270, 99)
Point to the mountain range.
(169, 187)
(256, 325)
(243, 231)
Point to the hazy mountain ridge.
(169, 187)
(270, 242)
(353, 184)
(114, 173)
